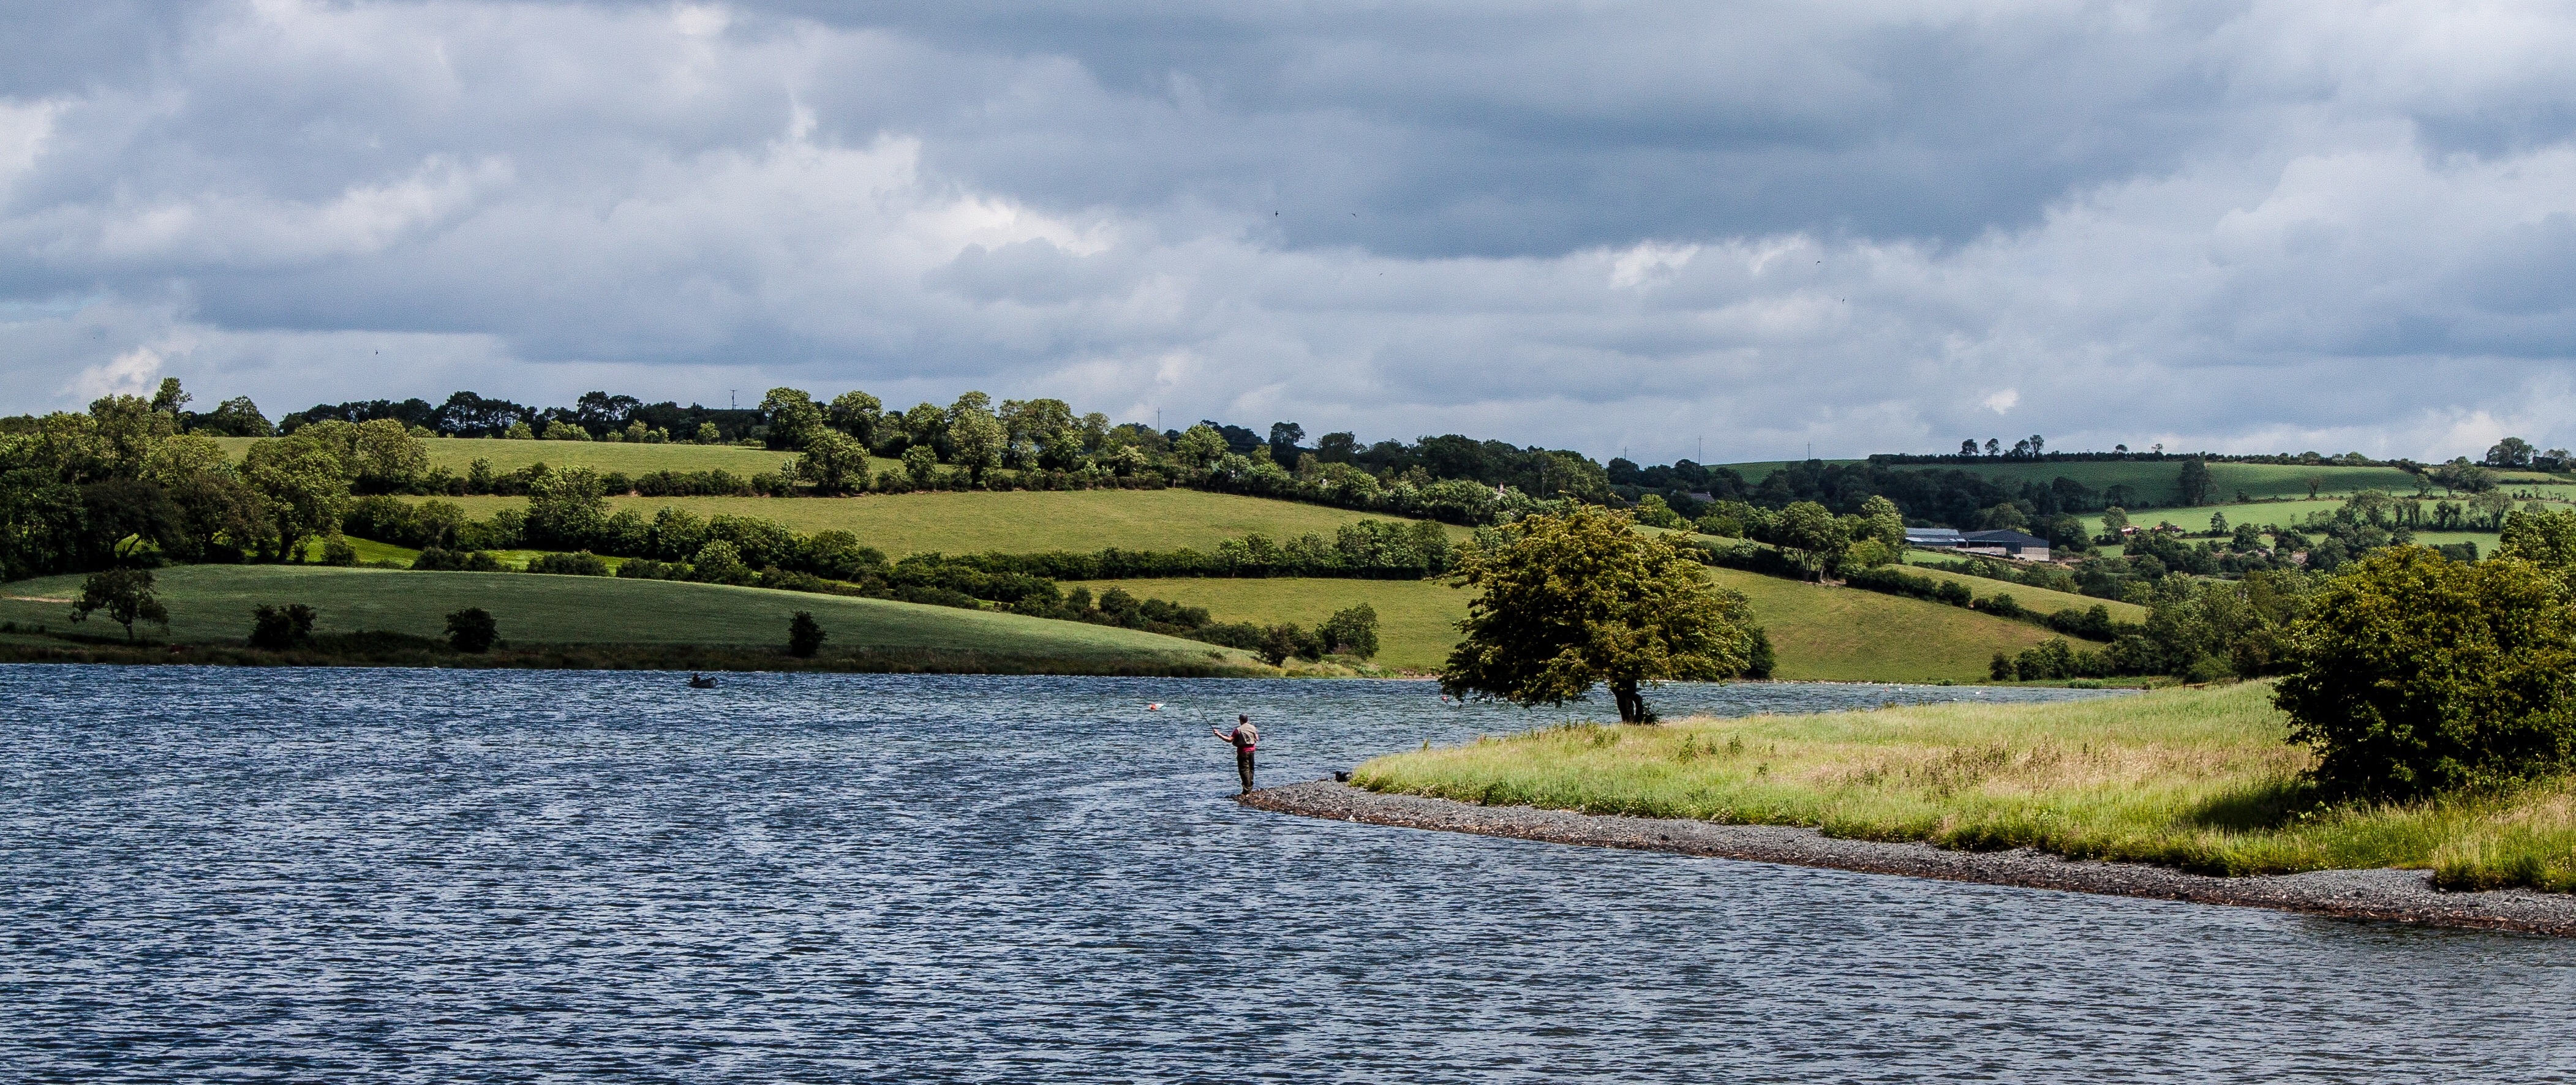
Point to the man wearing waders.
(1245, 738)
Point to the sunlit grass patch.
(2200, 779)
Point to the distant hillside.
(1016, 522)
(212, 603)
(1819, 633)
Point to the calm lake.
(215, 874)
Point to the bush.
(277, 628)
(2413, 675)
(649, 569)
(434, 559)
(472, 630)
(1285, 639)
(584, 563)
(804, 636)
(1351, 631)
(337, 551)
(1760, 662)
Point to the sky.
(1709, 230)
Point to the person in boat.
(1245, 738)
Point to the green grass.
(1021, 521)
(2200, 779)
(1849, 635)
(1824, 633)
(1416, 618)
(2043, 600)
(212, 603)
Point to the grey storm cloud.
(1650, 227)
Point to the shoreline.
(2391, 895)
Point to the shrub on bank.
(2413, 675)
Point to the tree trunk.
(1632, 708)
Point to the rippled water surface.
(437, 876)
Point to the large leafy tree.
(1569, 601)
(834, 462)
(305, 481)
(976, 438)
(2412, 675)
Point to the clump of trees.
(2415, 675)
(1569, 601)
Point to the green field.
(1020, 521)
(2197, 778)
(2042, 600)
(212, 603)
(1415, 617)
(1827, 633)
(1844, 634)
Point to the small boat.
(700, 681)
(1153, 706)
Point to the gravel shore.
(2400, 895)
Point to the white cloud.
(2253, 229)
(125, 374)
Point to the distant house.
(2001, 544)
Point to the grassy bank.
(210, 605)
(2198, 779)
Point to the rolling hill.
(1020, 521)
(1829, 633)
(212, 603)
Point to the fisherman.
(1245, 738)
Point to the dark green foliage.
(2003, 668)
(456, 561)
(583, 563)
(1570, 601)
(2048, 660)
(2002, 606)
(472, 630)
(1761, 661)
(2413, 675)
(804, 635)
(1278, 642)
(127, 597)
(2193, 484)
(278, 628)
(1351, 631)
(337, 551)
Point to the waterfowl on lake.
(700, 681)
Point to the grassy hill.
(2040, 599)
(212, 603)
(1019, 521)
(1818, 632)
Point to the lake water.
(460, 876)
